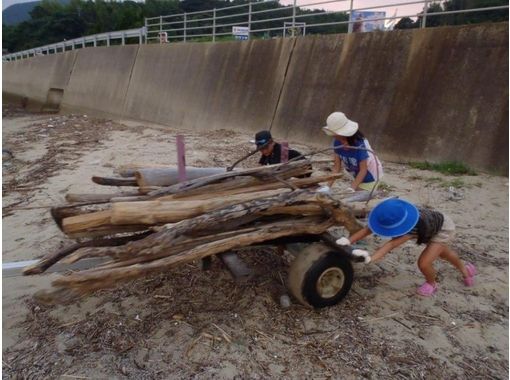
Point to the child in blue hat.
(402, 221)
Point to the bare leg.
(427, 257)
(451, 256)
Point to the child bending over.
(402, 221)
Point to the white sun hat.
(338, 124)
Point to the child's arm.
(393, 243)
(337, 167)
(361, 234)
(363, 170)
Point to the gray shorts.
(447, 233)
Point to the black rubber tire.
(308, 267)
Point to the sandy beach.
(189, 323)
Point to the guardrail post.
(424, 18)
(349, 28)
(184, 27)
(146, 29)
(293, 32)
(95, 41)
(72, 45)
(108, 39)
(214, 25)
(83, 42)
(249, 21)
(140, 37)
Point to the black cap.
(262, 138)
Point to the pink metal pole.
(285, 152)
(181, 158)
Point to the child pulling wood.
(401, 221)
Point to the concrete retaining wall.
(32, 78)
(100, 80)
(435, 94)
(232, 85)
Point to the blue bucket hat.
(393, 217)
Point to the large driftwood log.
(287, 170)
(128, 170)
(155, 212)
(251, 222)
(84, 222)
(71, 287)
(120, 258)
(161, 212)
(107, 230)
(74, 197)
(208, 191)
(170, 176)
(59, 213)
(108, 181)
(51, 258)
(214, 222)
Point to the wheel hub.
(330, 282)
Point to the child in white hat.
(350, 148)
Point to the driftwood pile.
(143, 232)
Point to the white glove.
(349, 190)
(343, 241)
(324, 189)
(362, 253)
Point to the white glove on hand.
(324, 189)
(362, 253)
(343, 241)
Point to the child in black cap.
(270, 149)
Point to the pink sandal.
(427, 290)
(470, 280)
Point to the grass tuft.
(447, 167)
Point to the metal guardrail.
(92, 40)
(213, 23)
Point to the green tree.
(406, 23)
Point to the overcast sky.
(402, 10)
(8, 3)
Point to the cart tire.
(319, 276)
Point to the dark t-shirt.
(276, 156)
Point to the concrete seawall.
(209, 86)
(33, 78)
(100, 80)
(431, 94)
